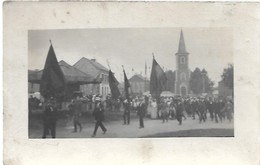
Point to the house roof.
(93, 62)
(72, 75)
(137, 77)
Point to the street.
(116, 129)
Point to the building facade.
(138, 84)
(182, 82)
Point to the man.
(179, 111)
(76, 107)
(202, 110)
(126, 114)
(141, 112)
(217, 108)
(229, 110)
(164, 112)
(210, 108)
(99, 116)
(50, 118)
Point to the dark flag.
(52, 81)
(113, 83)
(157, 80)
(127, 86)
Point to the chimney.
(94, 60)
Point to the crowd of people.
(178, 108)
(167, 108)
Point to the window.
(182, 60)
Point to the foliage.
(227, 76)
(197, 79)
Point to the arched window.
(182, 60)
(183, 76)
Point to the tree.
(198, 80)
(227, 76)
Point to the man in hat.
(179, 111)
(50, 118)
(141, 112)
(126, 114)
(76, 107)
(99, 116)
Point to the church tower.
(182, 82)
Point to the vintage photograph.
(149, 82)
(130, 83)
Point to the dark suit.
(76, 106)
(49, 120)
(99, 117)
(141, 113)
(126, 114)
(202, 111)
(210, 108)
(179, 112)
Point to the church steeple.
(182, 48)
(182, 73)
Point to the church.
(179, 80)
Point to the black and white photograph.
(130, 83)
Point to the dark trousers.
(141, 121)
(77, 123)
(202, 116)
(126, 117)
(49, 126)
(211, 114)
(99, 123)
(218, 115)
(179, 118)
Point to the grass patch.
(196, 133)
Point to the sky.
(209, 48)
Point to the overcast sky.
(209, 48)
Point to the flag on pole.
(127, 86)
(53, 82)
(157, 80)
(113, 83)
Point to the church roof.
(182, 47)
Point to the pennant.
(127, 86)
(157, 80)
(113, 83)
(52, 81)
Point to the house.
(95, 69)
(74, 79)
(138, 84)
(32, 86)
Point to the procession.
(63, 106)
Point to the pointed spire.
(182, 47)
